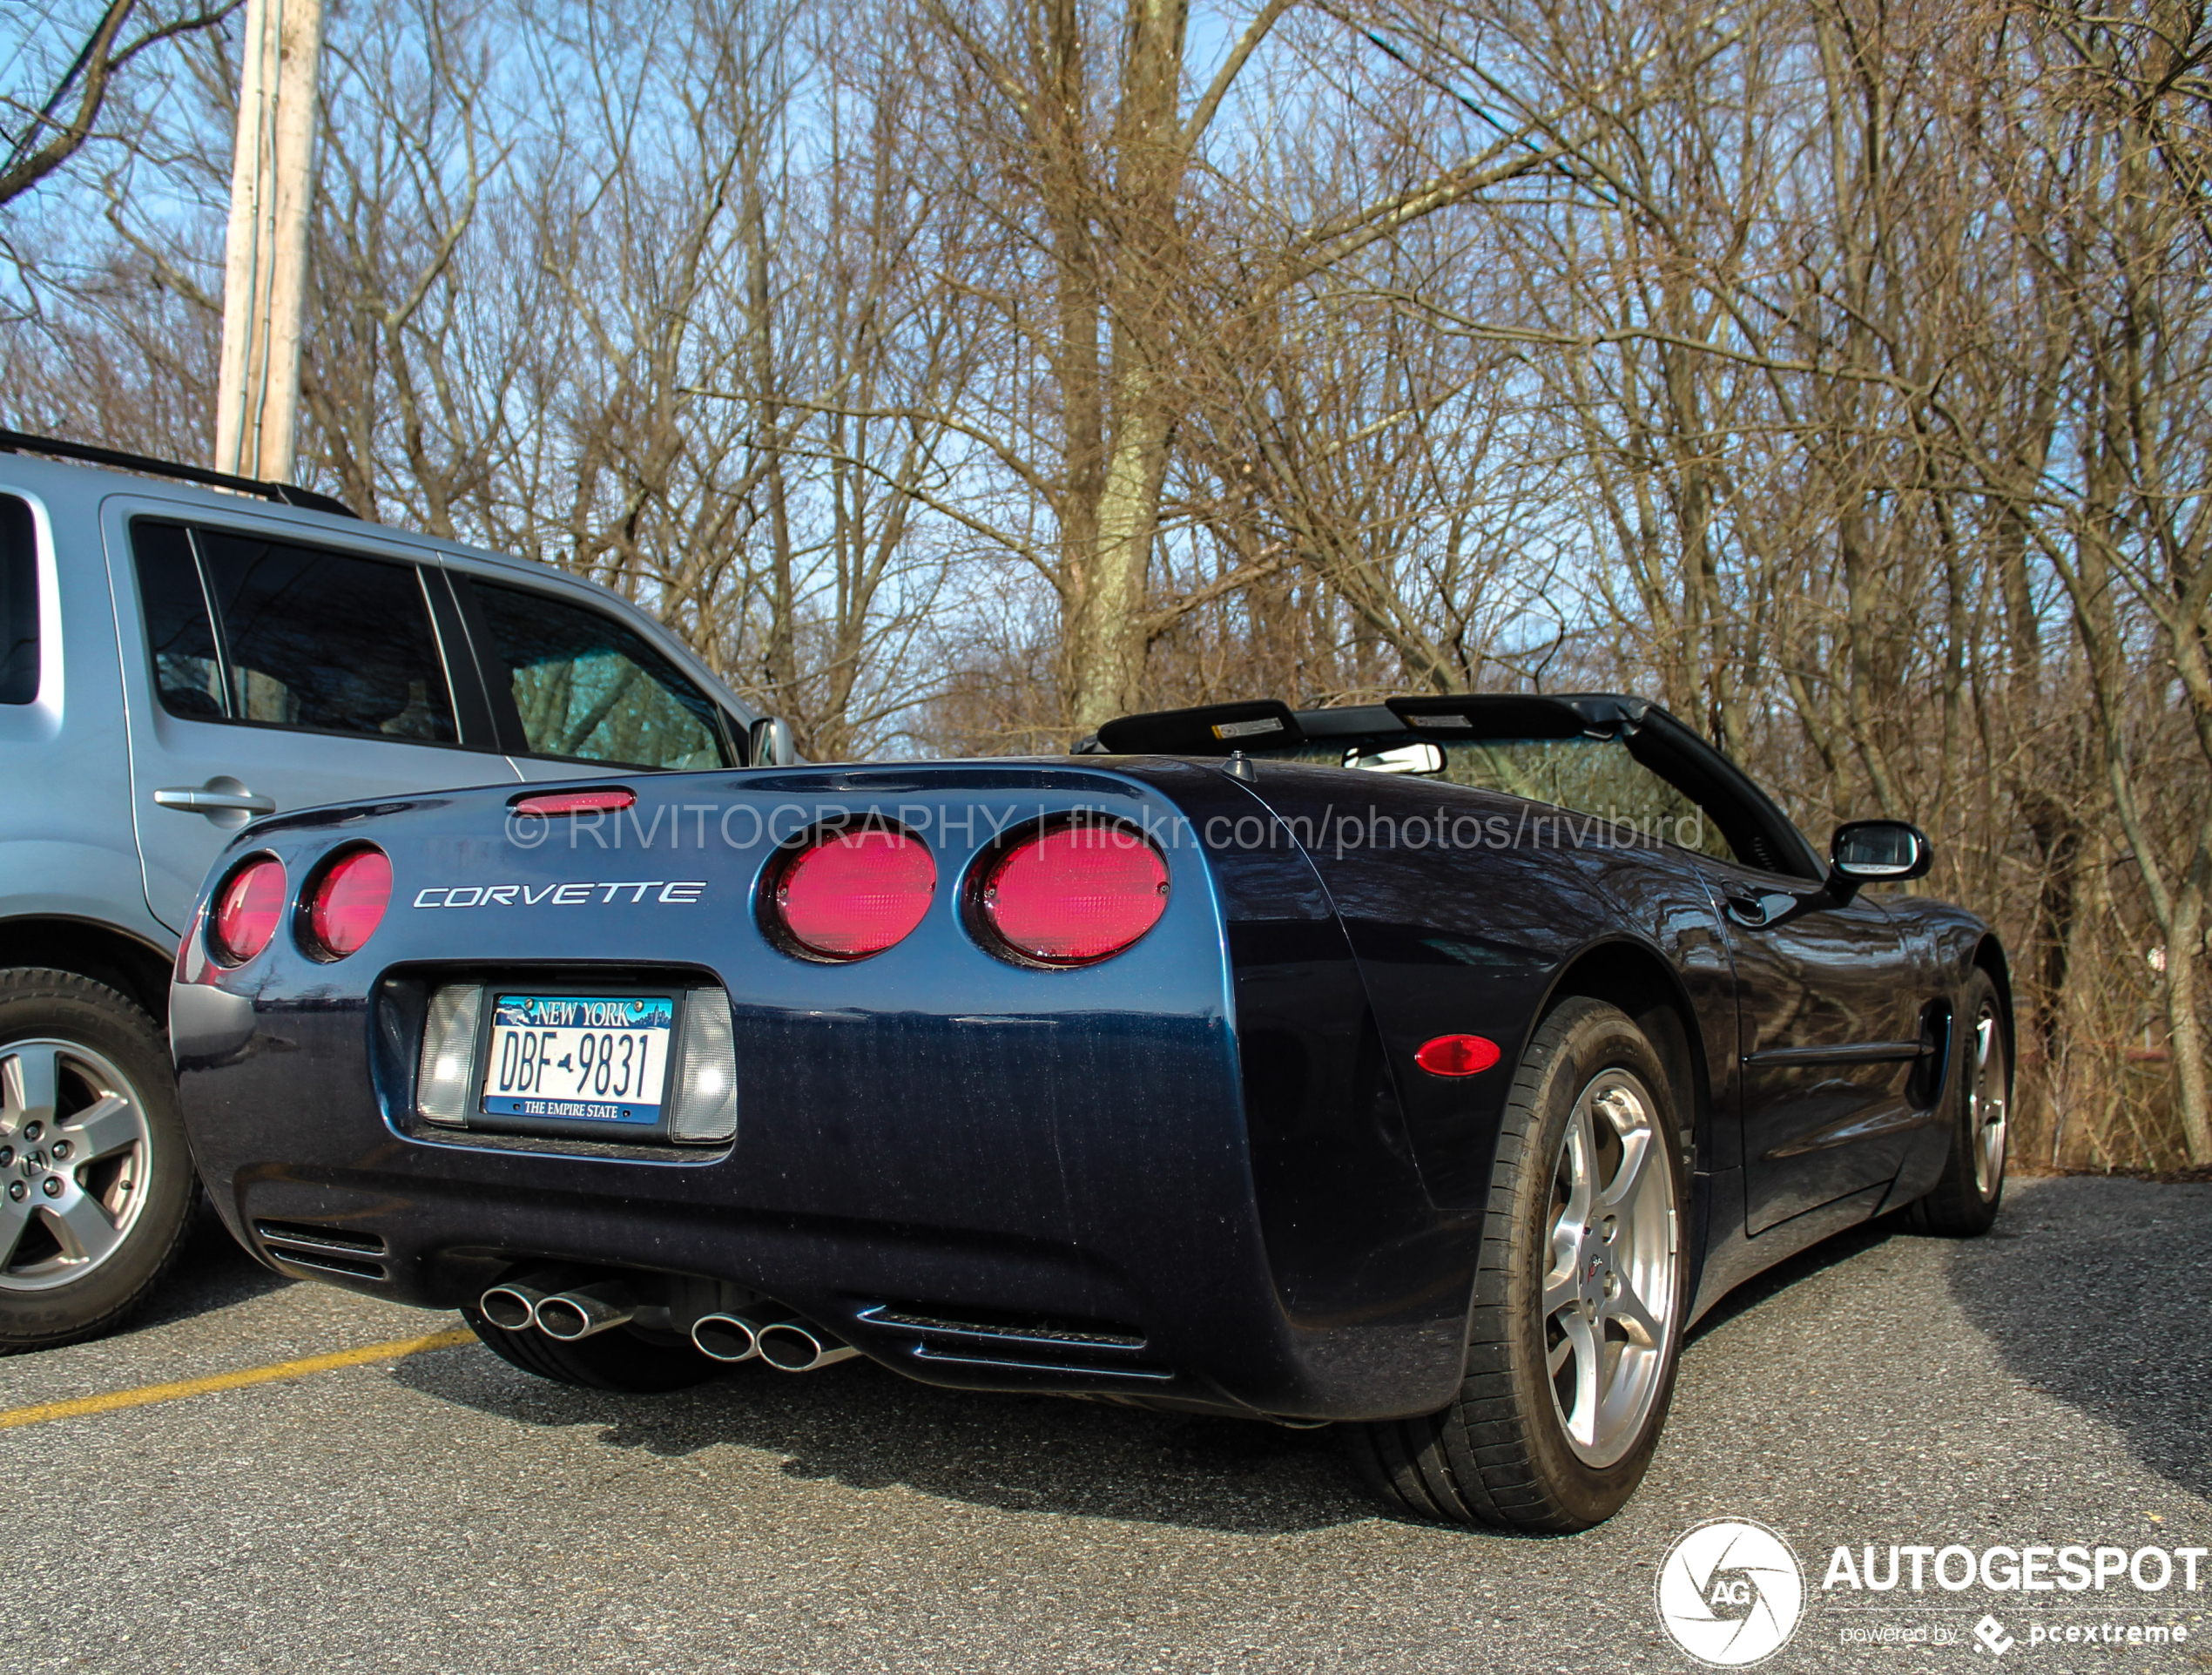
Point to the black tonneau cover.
(1268, 724)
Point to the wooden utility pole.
(265, 274)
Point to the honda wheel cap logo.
(1731, 1593)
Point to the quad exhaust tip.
(790, 1347)
(513, 1307)
(726, 1337)
(785, 1344)
(586, 1310)
(546, 1301)
(570, 1313)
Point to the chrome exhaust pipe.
(790, 1347)
(570, 1316)
(513, 1307)
(726, 1337)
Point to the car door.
(571, 686)
(264, 670)
(1828, 998)
(1828, 1019)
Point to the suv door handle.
(220, 795)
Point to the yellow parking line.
(191, 1387)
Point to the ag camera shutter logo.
(1731, 1593)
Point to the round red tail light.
(246, 911)
(851, 896)
(348, 903)
(1076, 895)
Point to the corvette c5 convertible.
(1426, 1067)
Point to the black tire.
(1967, 1196)
(1502, 1454)
(147, 1191)
(624, 1359)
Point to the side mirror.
(769, 743)
(1879, 852)
(1861, 852)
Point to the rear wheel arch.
(1989, 956)
(1635, 978)
(117, 959)
(1505, 1450)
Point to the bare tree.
(959, 373)
(46, 135)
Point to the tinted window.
(18, 603)
(322, 641)
(327, 641)
(187, 675)
(586, 687)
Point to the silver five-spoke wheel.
(75, 1156)
(1986, 1100)
(1610, 1288)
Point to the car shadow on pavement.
(214, 1273)
(862, 1426)
(2095, 1291)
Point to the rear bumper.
(935, 1152)
(1140, 1246)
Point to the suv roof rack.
(287, 494)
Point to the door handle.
(221, 796)
(1770, 910)
(1766, 908)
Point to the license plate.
(578, 1057)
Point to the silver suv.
(175, 661)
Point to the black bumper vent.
(332, 1250)
(974, 1337)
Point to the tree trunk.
(1107, 635)
(2183, 1027)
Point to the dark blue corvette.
(1424, 1067)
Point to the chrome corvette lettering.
(678, 894)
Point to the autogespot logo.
(1731, 1593)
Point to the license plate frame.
(657, 1014)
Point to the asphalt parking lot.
(440, 1512)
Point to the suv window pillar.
(19, 646)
